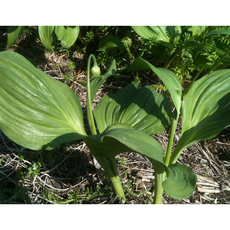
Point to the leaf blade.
(120, 138)
(181, 181)
(48, 37)
(169, 79)
(67, 34)
(165, 35)
(205, 110)
(33, 113)
(143, 109)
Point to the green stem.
(159, 179)
(111, 170)
(171, 138)
(88, 103)
(109, 166)
(130, 55)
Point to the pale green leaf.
(48, 37)
(36, 111)
(143, 109)
(67, 34)
(197, 30)
(181, 181)
(165, 35)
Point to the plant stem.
(171, 138)
(159, 179)
(111, 170)
(130, 55)
(88, 103)
(109, 166)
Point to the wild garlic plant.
(39, 112)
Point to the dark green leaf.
(170, 80)
(36, 111)
(110, 42)
(12, 35)
(123, 138)
(143, 109)
(181, 181)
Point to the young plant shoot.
(39, 112)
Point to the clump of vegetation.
(44, 113)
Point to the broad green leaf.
(12, 35)
(67, 34)
(110, 42)
(98, 81)
(48, 37)
(165, 35)
(197, 30)
(205, 110)
(170, 80)
(36, 111)
(181, 181)
(143, 109)
(120, 138)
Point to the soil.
(69, 174)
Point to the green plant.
(187, 50)
(36, 115)
(49, 35)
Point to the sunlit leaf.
(205, 109)
(197, 30)
(181, 181)
(143, 109)
(123, 138)
(48, 37)
(36, 111)
(165, 35)
(67, 34)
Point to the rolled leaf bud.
(95, 71)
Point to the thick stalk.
(111, 170)
(159, 179)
